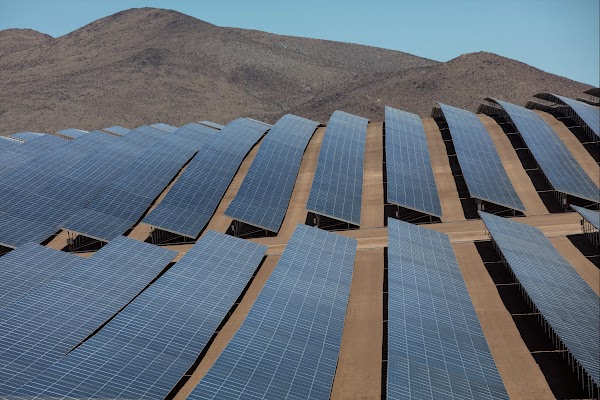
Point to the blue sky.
(558, 36)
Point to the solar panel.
(289, 343)
(116, 130)
(265, 193)
(589, 114)
(7, 144)
(593, 217)
(148, 347)
(479, 160)
(30, 266)
(72, 133)
(15, 231)
(26, 136)
(164, 127)
(556, 162)
(46, 324)
(564, 299)
(436, 348)
(410, 181)
(336, 191)
(193, 199)
(212, 124)
(123, 201)
(23, 153)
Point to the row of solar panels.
(287, 347)
(112, 206)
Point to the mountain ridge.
(146, 65)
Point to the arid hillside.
(148, 65)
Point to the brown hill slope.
(148, 65)
(14, 40)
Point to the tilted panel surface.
(72, 132)
(479, 160)
(553, 157)
(410, 181)
(212, 124)
(265, 193)
(117, 130)
(436, 348)
(193, 199)
(593, 217)
(46, 324)
(26, 136)
(164, 127)
(336, 191)
(289, 343)
(29, 266)
(589, 114)
(148, 347)
(564, 299)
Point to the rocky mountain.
(147, 65)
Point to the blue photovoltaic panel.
(72, 133)
(51, 320)
(26, 136)
(16, 231)
(29, 266)
(479, 160)
(212, 124)
(124, 201)
(556, 162)
(117, 130)
(590, 115)
(410, 181)
(164, 127)
(289, 343)
(436, 348)
(336, 191)
(27, 151)
(181, 310)
(265, 193)
(563, 298)
(7, 144)
(593, 217)
(193, 199)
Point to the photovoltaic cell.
(564, 299)
(289, 343)
(593, 217)
(15, 231)
(29, 266)
(265, 193)
(26, 136)
(147, 348)
(51, 320)
(337, 187)
(164, 127)
(436, 348)
(410, 181)
(556, 162)
(479, 161)
(193, 199)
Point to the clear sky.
(558, 36)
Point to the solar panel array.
(212, 124)
(116, 130)
(193, 199)
(556, 162)
(23, 270)
(125, 199)
(26, 136)
(436, 348)
(564, 299)
(49, 321)
(589, 114)
(164, 127)
(289, 343)
(479, 160)
(337, 187)
(265, 193)
(27, 151)
(593, 217)
(147, 348)
(410, 181)
(7, 144)
(72, 133)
